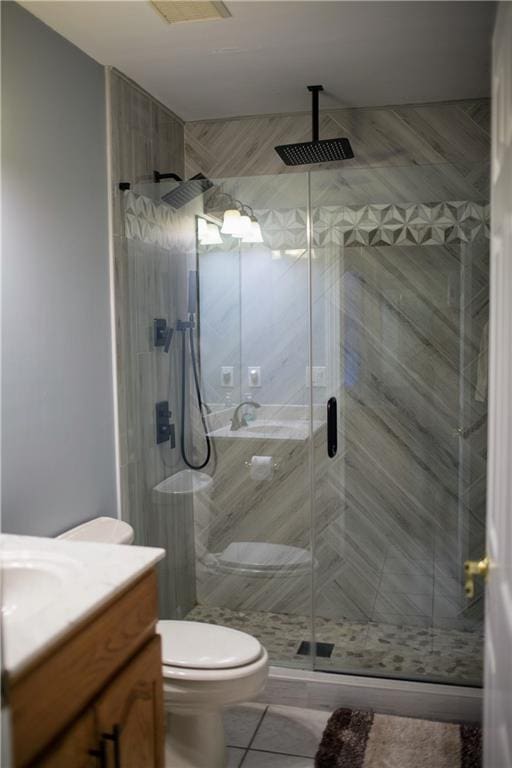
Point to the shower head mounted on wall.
(185, 191)
(316, 151)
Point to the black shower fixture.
(163, 335)
(316, 151)
(185, 191)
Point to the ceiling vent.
(176, 11)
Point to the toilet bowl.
(205, 668)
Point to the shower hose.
(200, 403)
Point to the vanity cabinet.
(96, 700)
(128, 712)
(74, 747)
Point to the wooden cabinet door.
(130, 712)
(74, 747)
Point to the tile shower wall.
(402, 507)
(151, 279)
(411, 135)
(370, 532)
(413, 496)
(415, 438)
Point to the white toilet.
(205, 668)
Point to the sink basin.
(30, 581)
(277, 430)
(267, 429)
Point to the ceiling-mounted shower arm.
(315, 151)
(157, 176)
(315, 111)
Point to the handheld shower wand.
(186, 328)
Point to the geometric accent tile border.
(415, 224)
(148, 220)
(452, 222)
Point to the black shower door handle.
(332, 427)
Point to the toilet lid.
(102, 530)
(197, 645)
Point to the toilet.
(206, 667)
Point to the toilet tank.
(102, 530)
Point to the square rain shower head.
(186, 191)
(320, 151)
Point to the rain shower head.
(316, 151)
(324, 151)
(184, 191)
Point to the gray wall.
(58, 465)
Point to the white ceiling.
(260, 60)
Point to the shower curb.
(324, 690)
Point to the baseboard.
(324, 690)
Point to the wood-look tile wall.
(420, 134)
(150, 281)
(401, 504)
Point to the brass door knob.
(474, 568)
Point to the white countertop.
(72, 580)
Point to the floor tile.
(256, 759)
(291, 730)
(240, 723)
(235, 756)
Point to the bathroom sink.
(267, 429)
(30, 581)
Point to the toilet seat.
(104, 530)
(214, 647)
(201, 646)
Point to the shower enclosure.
(340, 546)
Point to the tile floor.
(444, 655)
(273, 737)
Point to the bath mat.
(357, 739)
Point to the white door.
(498, 648)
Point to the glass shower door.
(369, 286)
(253, 546)
(399, 265)
(202, 297)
